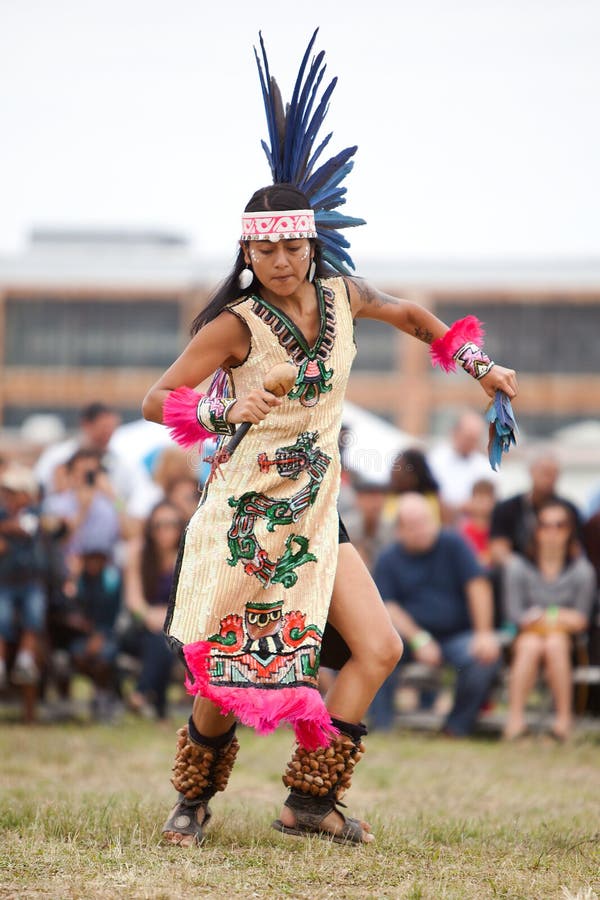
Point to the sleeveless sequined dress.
(257, 563)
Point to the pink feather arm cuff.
(443, 349)
(180, 415)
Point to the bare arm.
(135, 600)
(404, 623)
(369, 303)
(500, 550)
(480, 602)
(429, 651)
(481, 607)
(223, 342)
(152, 616)
(571, 621)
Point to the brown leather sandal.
(309, 813)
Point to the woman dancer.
(264, 564)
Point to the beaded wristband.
(460, 345)
(212, 414)
(420, 639)
(473, 360)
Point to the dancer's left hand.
(500, 379)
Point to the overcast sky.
(478, 121)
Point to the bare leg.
(527, 657)
(208, 719)
(29, 642)
(361, 618)
(557, 654)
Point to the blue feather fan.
(502, 428)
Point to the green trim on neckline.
(311, 352)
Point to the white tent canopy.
(372, 444)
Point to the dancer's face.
(279, 266)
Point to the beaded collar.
(313, 378)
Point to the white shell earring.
(245, 278)
(312, 269)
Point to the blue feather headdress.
(292, 134)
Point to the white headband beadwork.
(285, 225)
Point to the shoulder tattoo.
(369, 296)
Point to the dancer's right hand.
(254, 407)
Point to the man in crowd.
(441, 604)
(131, 485)
(459, 463)
(84, 513)
(97, 423)
(513, 520)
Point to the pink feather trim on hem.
(263, 709)
(180, 417)
(460, 332)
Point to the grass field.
(82, 806)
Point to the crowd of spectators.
(89, 542)
(88, 545)
(474, 583)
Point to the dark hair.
(83, 453)
(572, 541)
(93, 411)
(484, 486)
(150, 561)
(414, 462)
(274, 197)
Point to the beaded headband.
(280, 226)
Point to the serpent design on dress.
(301, 458)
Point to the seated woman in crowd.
(549, 598)
(148, 580)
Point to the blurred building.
(88, 315)
(541, 318)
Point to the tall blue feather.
(289, 149)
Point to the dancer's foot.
(185, 825)
(299, 818)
